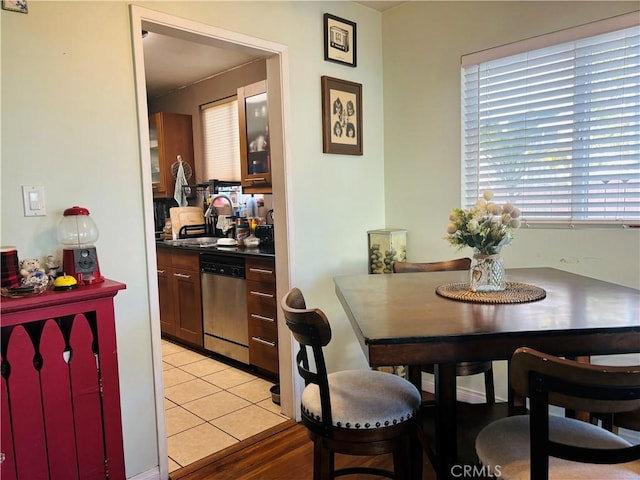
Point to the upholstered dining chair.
(352, 412)
(540, 446)
(462, 368)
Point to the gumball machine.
(77, 232)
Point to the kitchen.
(214, 230)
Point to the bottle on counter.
(242, 230)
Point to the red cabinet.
(60, 397)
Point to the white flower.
(473, 226)
(494, 208)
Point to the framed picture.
(341, 116)
(15, 5)
(339, 40)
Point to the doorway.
(276, 61)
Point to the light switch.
(33, 196)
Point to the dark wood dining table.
(399, 319)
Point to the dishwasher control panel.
(221, 265)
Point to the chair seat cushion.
(364, 399)
(504, 446)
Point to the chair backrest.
(457, 264)
(549, 380)
(310, 327)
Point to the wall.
(422, 45)
(188, 100)
(69, 123)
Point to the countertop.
(261, 251)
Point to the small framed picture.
(15, 5)
(341, 116)
(339, 40)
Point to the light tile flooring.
(210, 405)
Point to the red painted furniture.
(60, 397)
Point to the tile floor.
(210, 405)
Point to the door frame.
(277, 84)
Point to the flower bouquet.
(486, 228)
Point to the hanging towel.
(179, 193)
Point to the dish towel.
(179, 193)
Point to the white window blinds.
(221, 140)
(556, 130)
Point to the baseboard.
(463, 394)
(153, 474)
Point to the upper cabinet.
(253, 119)
(170, 136)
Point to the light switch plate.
(33, 197)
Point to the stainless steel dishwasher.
(224, 306)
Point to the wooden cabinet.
(170, 135)
(60, 393)
(253, 120)
(180, 295)
(262, 314)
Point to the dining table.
(416, 319)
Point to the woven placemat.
(513, 293)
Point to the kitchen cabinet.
(253, 121)
(170, 135)
(179, 293)
(262, 314)
(60, 393)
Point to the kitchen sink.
(193, 242)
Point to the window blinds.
(221, 140)
(557, 130)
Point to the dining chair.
(541, 446)
(352, 412)
(462, 368)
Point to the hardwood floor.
(282, 452)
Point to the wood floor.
(282, 452)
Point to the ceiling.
(172, 63)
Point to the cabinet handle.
(260, 317)
(261, 294)
(181, 275)
(261, 270)
(255, 179)
(263, 342)
(161, 271)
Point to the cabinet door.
(174, 136)
(253, 120)
(165, 295)
(189, 306)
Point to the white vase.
(486, 273)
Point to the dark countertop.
(262, 251)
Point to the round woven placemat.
(513, 293)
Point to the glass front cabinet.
(253, 116)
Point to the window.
(553, 125)
(220, 133)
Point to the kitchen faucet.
(211, 210)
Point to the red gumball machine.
(77, 232)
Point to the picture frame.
(341, 116)
(15, 6)
(339, 40)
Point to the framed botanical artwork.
(341, 116)
(15, 5)
(339, 40)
